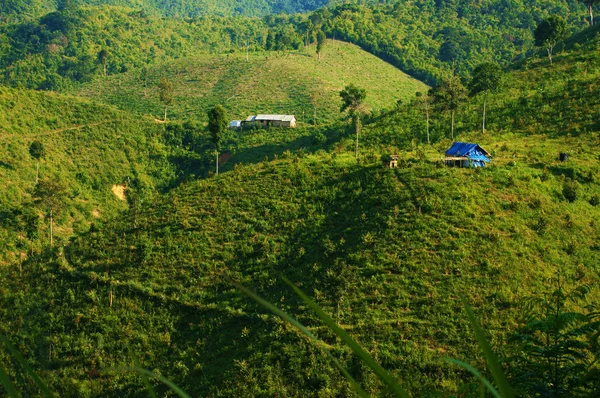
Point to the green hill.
(387, 252)
(89, 149)
(289, 83)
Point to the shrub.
(319, 139)
(569, 190)
(595, 200)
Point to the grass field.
(269, 82)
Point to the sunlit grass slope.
(287, 83)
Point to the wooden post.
(110, 298)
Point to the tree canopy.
(549, 32)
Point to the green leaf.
(283, 315)
(383, 375)
(477, 374)
(146, 382)
(17, 355)
(164, 380)
(8, 384)
(492, 362)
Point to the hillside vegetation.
(29, 9)
(387, 252)
(427, 41)
(147, 240)
(285, 83)
(89, 148)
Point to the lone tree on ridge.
(449, 96)
(37, 151)
(103, 59)
(320, 43)
(352, 101)
(165, 94)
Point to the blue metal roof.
(469, 150)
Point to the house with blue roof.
(465, 154)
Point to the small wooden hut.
(390, 161)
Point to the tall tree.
(352, 101)
(50, 194)
(549, 32)
(423, 101)
(165, 94)
(103, 59)
(320, 42)
(217, 125)
(589, 4)
(487, 78)
(37, 151)
(449, 96)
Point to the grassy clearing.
(267, 83)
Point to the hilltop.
(293, 82)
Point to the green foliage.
(449, 96)
(37, 150)
(217, 125)
(555, 348)
(569, 190)
(165, 94)
(486, 78)
(320, 42)
(549, 32)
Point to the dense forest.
(128, 221)
(425, 40)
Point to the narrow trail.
(58, 131)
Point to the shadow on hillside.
(355, 219)
(7, 166)
(259, 153)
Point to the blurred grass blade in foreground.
(283, 315)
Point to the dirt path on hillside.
(58, 131)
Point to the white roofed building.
(271, 121)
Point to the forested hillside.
(31, 9)
(425, 40)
